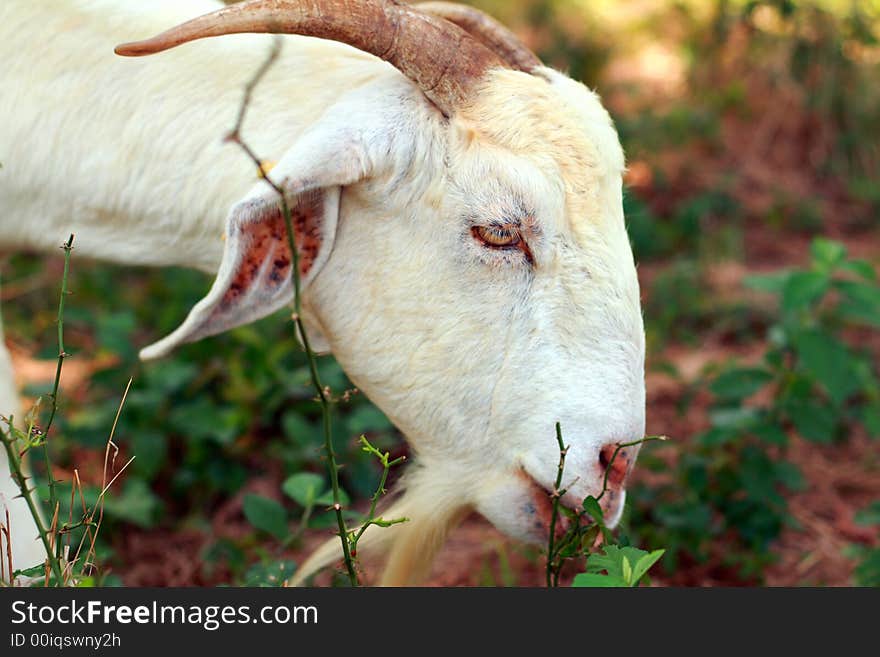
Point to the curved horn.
(447, 72)
(487, 30)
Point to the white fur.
(473, 353)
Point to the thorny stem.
(553, 565)
(53, 555)
(53, 496)
(26, 493)
(236, 138)
(554, 514)
(374, 500)
(4, 529)
(57, 531)
(619, 447)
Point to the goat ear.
(254, 279)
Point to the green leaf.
(802, 289)
(867, 573)
(202, 419)
(114, 332)
(269, 574)
(299, 429)
(611, 560)
(773, 283)
(734, 418)
(717, 436)
(739, 383)
(326, 498)
(588, 538)
(134, 503)
(626, 571)
(33, 571)
(871, 419)
(365, 418)
(644, 564)
(266, 515)
(814, 421)
(858, 314)
(170, 376)
(789, 475)
(151, 448)
(870, 515)
(861, 268)
(772, 434)
(827, 254)
(861, 301)
(829, 363)
(593, 580)
(593, 509)
(304, 488)
(382, 522)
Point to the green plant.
(617, 566)
(622, 565)
(202, 421)
(70, 547)
(309, 491)
(812, 380)
(823, 383)
(867, 570)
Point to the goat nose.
(614, 464)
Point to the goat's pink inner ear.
(266, 260)
(255, 277)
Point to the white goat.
(459, 213)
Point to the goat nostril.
(615, 466)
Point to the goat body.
(129, 155)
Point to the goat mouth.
(540, 507)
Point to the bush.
(813, 380)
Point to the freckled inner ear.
(265, 257)
(254, 278)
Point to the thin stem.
(554, 514)
(380, 490)
(26, 494)
(4, 529)
(614, 454)
(574, 532)
(53, 496)
(236, 137)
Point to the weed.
(617, 565)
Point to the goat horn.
(487, 30)
(446, 62)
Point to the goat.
(458, 208)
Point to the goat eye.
(496, 237)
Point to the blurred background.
(752, 134)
